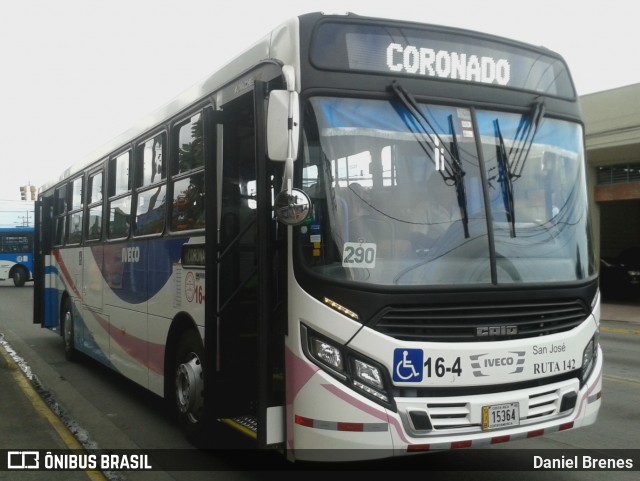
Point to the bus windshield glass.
(442, 195)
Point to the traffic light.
(33, 192)
(23, 192)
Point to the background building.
(612, 126)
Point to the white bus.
(361, 238)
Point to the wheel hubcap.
(189, 387)
(67, 329)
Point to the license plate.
(500, 416)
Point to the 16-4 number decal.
(439, 367)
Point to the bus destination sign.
(438, 54)
(444, 64)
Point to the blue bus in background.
(16, 254)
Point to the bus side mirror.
(283, 121)
(292, 208)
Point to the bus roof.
(277, 44)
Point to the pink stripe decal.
(298, 373)
(585, 399)
(367, 409)
(65, 272)
(136, 347)
(133, 346)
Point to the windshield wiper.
(450, 171)
(458, 178)
(505, 177)
(525, 133)
(508, 170)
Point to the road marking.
(43, 410)
(619, 330)
(621, 379)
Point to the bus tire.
(19, 276)
(66, 324)
(188, 383)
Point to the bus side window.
(119, 221)
(188, 206)
(150, 211)
(188, 203)
(95, 223)
(94, 200)
(151, 199)
(190, 139)
(119, 218)
(75, 212)
(59, 211)
(150, 165)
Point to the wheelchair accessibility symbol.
(407, 365)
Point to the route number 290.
(358, 255)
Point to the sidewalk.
(28, 424)
(620, 312)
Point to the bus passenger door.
(248, 344)
(45, 311)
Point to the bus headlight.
(589, 357)
(351, 368)
(368, 378)
(327, 354)
(368, 374)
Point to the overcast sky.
(76, 73)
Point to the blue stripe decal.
(136, 271)
(51, 270)
(85, 342)
(51, 309)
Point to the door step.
(247, 425)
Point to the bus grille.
(449, 415)
(480, 322)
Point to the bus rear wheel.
(66, 324)
(189, 386)
(19, 276)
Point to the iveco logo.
(496, 331)
(130, 254)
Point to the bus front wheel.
(19, 276)
(67, 331)
(189, 386)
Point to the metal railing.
(618, 174)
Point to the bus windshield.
(442, 195)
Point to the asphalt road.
(107, 411)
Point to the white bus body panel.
(130, 337)
(5, 267)
(329, 409)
